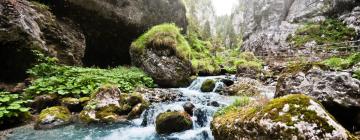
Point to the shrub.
(337, 63)
(357, 74)
(77, 82)
(12, 107)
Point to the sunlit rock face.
(266, 24)
(111, 26)
(28, 26)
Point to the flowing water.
(144, 127)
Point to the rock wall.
(111, 26)
(28, 26)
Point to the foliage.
(337, 63)
(328, 32)
(12, 106)
(78, 82)
(357, 74)
(163, 35)
(238, 103)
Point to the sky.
(224, 7)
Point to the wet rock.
(189, 108)
(127, 21)
(201, 117)
(27, 27)
(133, 105)
(208, 85)
(243, 87)
(44, 101)
(337, 91)
(290, 117)
(162, 53)
(170, 122)
(214, 104)
(137, 110)
(53, 117)
(156, 95)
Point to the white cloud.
(224, 7)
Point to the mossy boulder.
(103, 106)
(243, 87)
(44, 101)
(74, 104)
(208, 85)
(53, 117)
(137, 110)
(170, 122)
(164, 54)
(291, 117)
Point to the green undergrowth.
(77, 82)
(12, 108)
(238, 104)
(357, 74)
(339, 63)
(327, 32)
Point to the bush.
(357, 74)
(337, 63)
(77, 82)
(12, 108)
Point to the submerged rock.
(170, 122)
(337, 91)
(163, 53)
(53, 117)
(290, 117)
(27, 27)
(208, 85)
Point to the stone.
(157, 95)
(189, 108)
(337, 91)
(44, 101)
(53, 117)
(290, 117)
(170, 122)
(243, 87)
(208, 85)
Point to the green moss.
(59, 112)
(239, 103)
(107, 114)
(169, 122)
(243, 89)
(164, 35)
(357, 74)
(70, 101)
(328, 32)
(208, 85)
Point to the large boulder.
(337, 91)
(170, 122)
(111, 25)
(290, 117)
(208, 85)
(29, 28)
(164, 54)
(53, 117)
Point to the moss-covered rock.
(74, 104)
(44, 101)
(103, 106)
(53, 117)
(137, 110)
(170, 122)
(164, 54)
(208, 85)
(291, 117)
(243, 87)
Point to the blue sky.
(224, 7)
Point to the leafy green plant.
(357, 74)
(12, 106)
(78, 82)
(338, 63)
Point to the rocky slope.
(266, 25)
(26, 27)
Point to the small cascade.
(143, 128)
